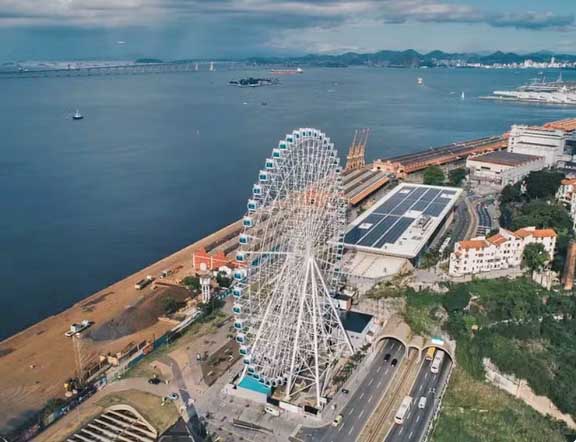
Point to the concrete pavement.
(362, 401)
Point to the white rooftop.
(402, 222)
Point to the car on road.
(173, 396)
(386, 357)
(394, 362)
(422, 402)
(345, 391)
(337, 421)
(154, 381)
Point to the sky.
(172, 29)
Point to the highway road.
(362, 402)
(428, 385)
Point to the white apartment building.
(567, 196)
(539, 141)
(501, 168)
(501, 251)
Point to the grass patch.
(146, 404)
(474, 411)
(423, 311)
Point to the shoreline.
(37, 361)
(200, 243)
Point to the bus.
(437, 362)
(430, 353)
(404, 408)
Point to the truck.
(144, 282)
(437, 362)
(271, 409)
(402, 410)
(76, 328)
(430, 354)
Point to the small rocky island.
(254, 82)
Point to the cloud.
(290, 14)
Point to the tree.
(192, 282)
(456, 176)
(170, 305)
(543, 183)
(511, 193)
(457, 299)
(434, 176)
(223, 280)
(541, 214)
(535, 256)
(53, 405)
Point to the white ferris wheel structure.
(286, 319)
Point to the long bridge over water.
(109, 70)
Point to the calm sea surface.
(160, 161)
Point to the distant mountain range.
(409, 58)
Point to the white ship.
(557, 92)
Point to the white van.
(422, 402)
(271, 409)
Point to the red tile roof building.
(203, 260)
(501, 251)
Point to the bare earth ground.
(176, 364)
(35, 363)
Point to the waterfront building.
(497, 252)
(501, 168)
(202, 260)
(403, 222)
(539, 141)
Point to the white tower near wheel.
(287, 322)
(205, 281)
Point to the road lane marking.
(351, 410)
(361, 413)
(380, 383)
(410, 435)
(401, 430)
(417, 418)
(378, 369)
(362, 395)
(351, 430)
(371, 380)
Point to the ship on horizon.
(287, 71)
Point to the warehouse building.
(539, 141)
(500, 168)
(404, 222)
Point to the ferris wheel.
(286, 321)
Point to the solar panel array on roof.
(391, 218)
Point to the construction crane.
(356, 158)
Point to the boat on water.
(420, 80)
(287, 71)
(462, 96)
(540, 91)
(77, 115)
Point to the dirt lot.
(35, 363)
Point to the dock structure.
(402, 165)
